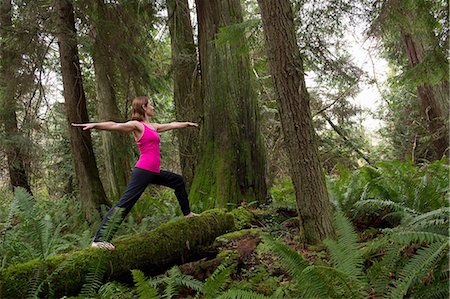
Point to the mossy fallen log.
(172, 243)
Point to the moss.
(172, 243)
(243, 217)
(215, 182)
(227, 238)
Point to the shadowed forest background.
(312, 206)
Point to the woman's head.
(141, 108)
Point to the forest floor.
(255, 267)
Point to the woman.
(147, 170)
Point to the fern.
(441, 214)
(240, 294)
(344, 253)
(408, 237)
(215, 283)
(420, 265)
(381, 204)
(98, 267)
(188, 281)
(94, 277)
(379, 273)
(328, 282)
(115, 290)
(112, 225)
(402, 185)
(144, 289)
(293, 262)
(313, 284)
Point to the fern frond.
(216, 281)
(420, 265)
(94, 277)
(240, 294)
(327, 282)
(113, 224)
(441, 214)
(374, 246)
(408, 237)
(379, 272)
(377, 204)
(170, 283)
(435, 291)
(344, 253)
(188, 281)
(115, 290)
(292, 261)
(144, 289)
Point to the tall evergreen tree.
(293, 104)
(188, 103)
(14, 143)
(115, 145)
(410, 31)
(91, 189)
(232, 163)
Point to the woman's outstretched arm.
(173, 125)
(127, 127)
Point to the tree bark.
(14, 143)
(153, 252)
(430, 106)
(115, 145)
(286, 68)
(232, 163)
(188, 103)
(91, 189)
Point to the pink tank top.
(148, 144)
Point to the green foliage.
(216, 282)
(144, 289)
(419, 266)
(168, 285)
(344, 252)
(115, 290)
(398, 186)
(30, 231)
(283, 194)
(97, 267)
(426, 23)
(235, 33)
(348, 276)
(240, 294)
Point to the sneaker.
(103, 245)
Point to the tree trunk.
(115, 145)
(188, 103)
(14, 142)
(286, 67)
(153, 251)
(91, 189)
(232, 163)
(430, 106)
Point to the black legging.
(140, 179)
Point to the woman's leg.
(140, 179)
(176, 182)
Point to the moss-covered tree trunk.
(115, 145)
(231, 168)
(286, 68)
(91, 189)
(154, 251)
(188, 103)
(13, 142)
